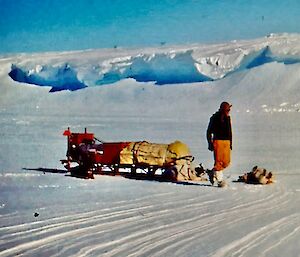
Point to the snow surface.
(159, 95)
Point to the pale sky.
(54, 25)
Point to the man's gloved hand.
(210, 146)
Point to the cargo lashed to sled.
(140, 159)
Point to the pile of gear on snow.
(257, 176)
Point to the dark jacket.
(219, 128)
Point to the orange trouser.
(221, 154)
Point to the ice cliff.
(173, 65)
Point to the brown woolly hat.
(225, 105)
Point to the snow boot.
(211, 176)
(222, 183)
(219, 178)
(216, 176)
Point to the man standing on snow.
(219, 138)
